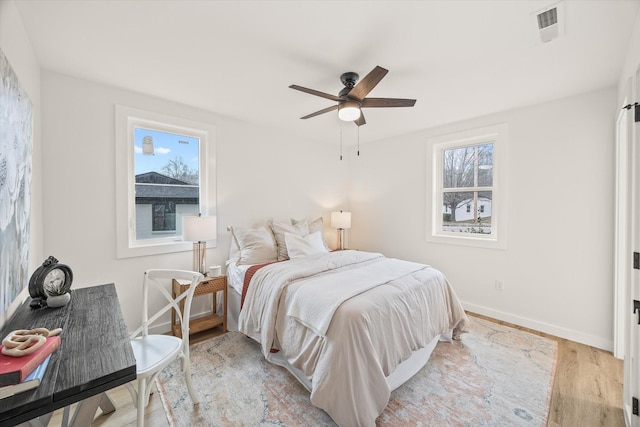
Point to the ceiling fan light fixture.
(349, 111)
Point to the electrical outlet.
(499, 285)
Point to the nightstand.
(210, 285)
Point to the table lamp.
(199, 229)
(341, 221)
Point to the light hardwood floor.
(587, 390)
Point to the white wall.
(558, 268)
(15, 44)
(260, 174)
(631, 64)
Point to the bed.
(350, 325)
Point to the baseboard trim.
(547, 328)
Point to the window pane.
(167, 177)
(483, 222)
(458, 167)
(467, 211)
(485, 165)
(470, 166)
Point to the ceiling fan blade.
(317, 113)
(315, 92)
(366, 85)
(387, 102)
(360, 120)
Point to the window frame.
(126, 120)
(496, 134)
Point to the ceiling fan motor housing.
(349, 80)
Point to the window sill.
(478, 241)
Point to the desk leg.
(86, 410)
(106, 404)
(41, 421)
(83, 416)
(65, 416)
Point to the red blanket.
(247, 278)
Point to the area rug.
(494, 376)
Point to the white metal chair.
(153, 352)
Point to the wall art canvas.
(16, 144)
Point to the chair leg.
(187, 376)
(133, 392)
(142, 392)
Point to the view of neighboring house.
(465, 217)
(161, 199)
(465, 211)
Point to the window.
(467, 195)
(164, 170)
(167, 180)
(467, 182)
(164, 216)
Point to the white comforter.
(346, 319)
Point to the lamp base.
(199, 260)
(341, 239)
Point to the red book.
(15, 369)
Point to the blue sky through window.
(167, 146)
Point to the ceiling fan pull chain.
(340, 141)
(358, 141)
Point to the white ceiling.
(459, 59)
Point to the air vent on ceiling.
(550, 22)
(548, 18)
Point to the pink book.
(15, 369)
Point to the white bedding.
(315, 301)
(374, 328)
(235, 275)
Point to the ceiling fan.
(352, 98)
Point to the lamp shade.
(341, 220)
(199, 228)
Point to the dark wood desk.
(95, 355)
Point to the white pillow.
(280, 228)
(299, 246)
(315, 225)
(256, 245)
(234, 250)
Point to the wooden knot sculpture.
(25, 341)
